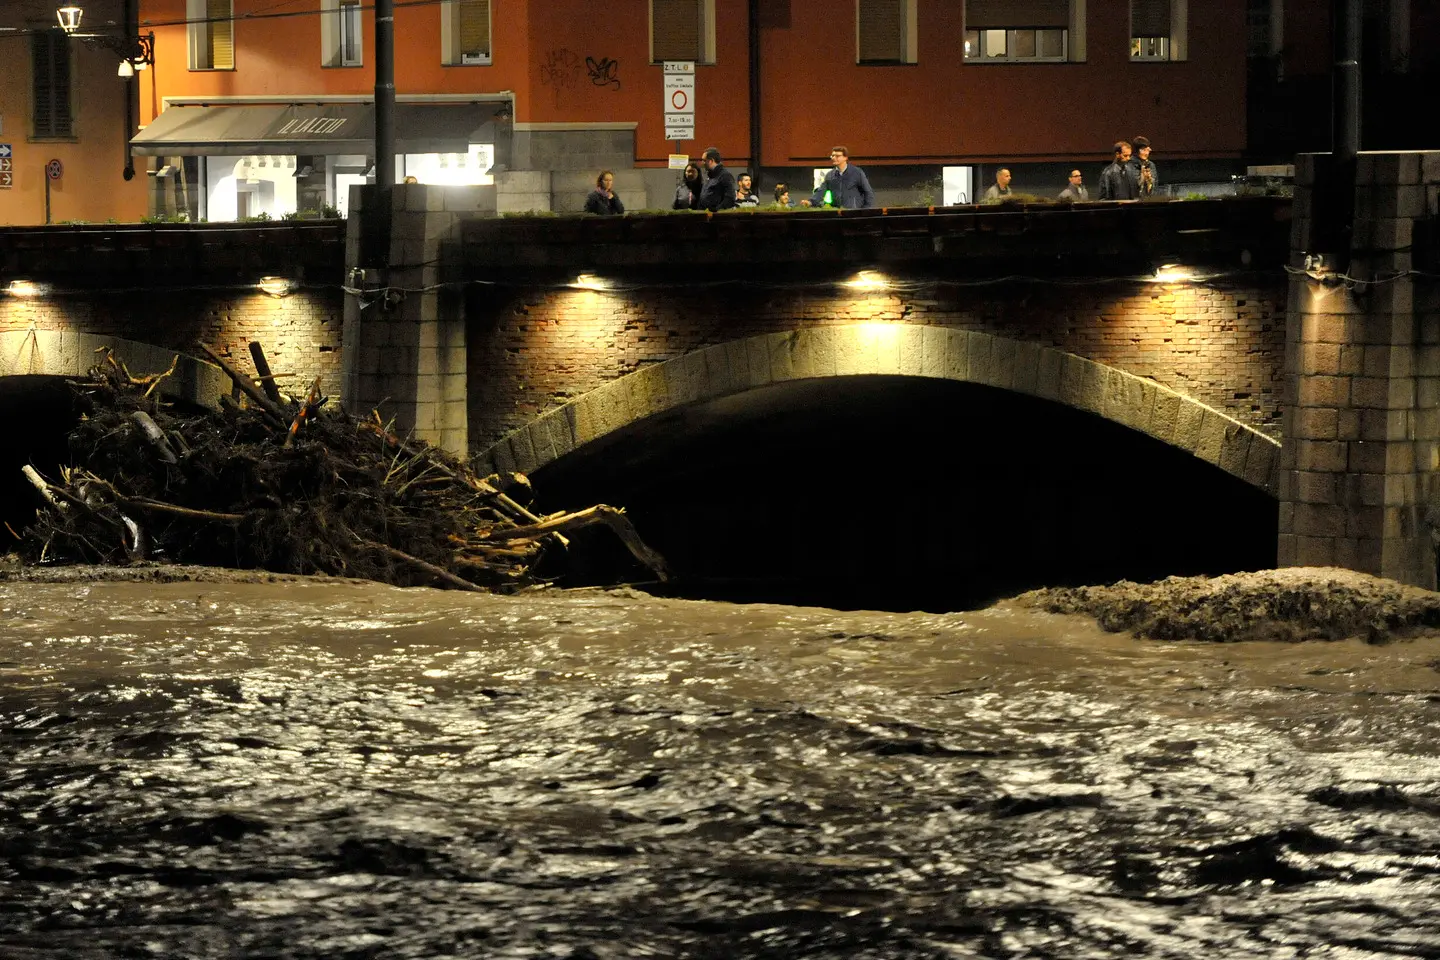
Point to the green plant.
(261, 217)
(166, 218)
(929, 192)
(296, 215)
(330, 212)
(1195, 196)
(73, 223)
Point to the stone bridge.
(520, 339)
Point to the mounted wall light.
(868, 280)
(135, 52)
(588, 281)
(26, 289)
(277, 286)
(1173, 273)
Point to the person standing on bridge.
(1075, 191)
(1116, 182)
(1000, 189)
(602, 199)
(719, 192)
(1145, 174)
(687, 194)
(844, 186)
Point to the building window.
(212, 34)
(465, 33)
(50, 58)
(1017, 31)
(342, 35)
(1010, 46)
(682, 30)
(885, 31)
(1157, 29)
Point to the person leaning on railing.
(687, 194)
(602, 199)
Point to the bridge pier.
(405, 344)
(1360, 459)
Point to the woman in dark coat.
(687, 195)
(602, 199)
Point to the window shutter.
(882, 28)
(50, 104)
(1002, 14)
(1149, 18)
(675, 27)
(222, 34)
(474, 27)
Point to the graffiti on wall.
(563, 70)
(560, 70)
(604, 72)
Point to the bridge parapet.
(1083, 238)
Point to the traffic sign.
(5, 151)
(54, 169)
(679, 126)
(6, 181)
(5, 164)
(679, 105)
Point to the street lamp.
(69, 16)
(135, 52)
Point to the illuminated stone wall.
(1220, 344)
(1358, 483)
(300, 333)
(173, 285)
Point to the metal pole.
(385, 97)
(132, 88)
(755, 92)
(45, 172)
(1346, 133)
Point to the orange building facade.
(61, 100)
(572, 87)
(258, 109)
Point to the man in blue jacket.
(844, 186)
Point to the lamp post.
(136, 51)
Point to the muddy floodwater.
(337, 770)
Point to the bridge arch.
(895, 350)
(67, 353)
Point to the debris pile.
(288, 485)
(1290, 604)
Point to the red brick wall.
(300, 333)
(1220, 344)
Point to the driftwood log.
(292, 485)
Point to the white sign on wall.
(679, 104)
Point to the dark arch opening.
(38, 413)
(902, 493)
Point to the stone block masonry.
(532, 351)
(1358, 482)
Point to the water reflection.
(333, 770)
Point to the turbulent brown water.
(343, 771)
